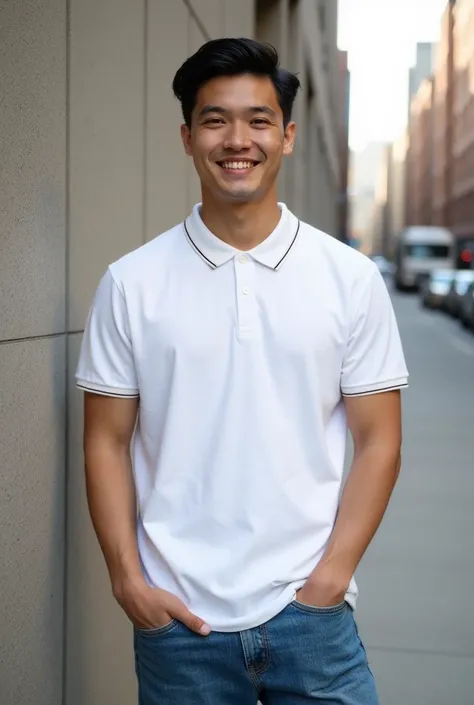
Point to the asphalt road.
(416, 608)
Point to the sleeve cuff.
(107, 391)
(376, 387)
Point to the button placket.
(244, 279)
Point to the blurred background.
(92, 167)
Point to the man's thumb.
(194, 623)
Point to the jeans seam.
(137, 668)
(261, 669)
(248, 662)
(363, 649)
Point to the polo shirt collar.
(272, 252)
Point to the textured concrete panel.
(32, 476)
(422, 678)
(167, 164)
(239, 18)
(100, 668)
(106, 141)
(32, 168)
(209, 13)
(195, 40)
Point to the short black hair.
(233, 57)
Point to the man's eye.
(260, 121)
(214, 121)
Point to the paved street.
(416, 613)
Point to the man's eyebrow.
(265, 109)
(212, 109)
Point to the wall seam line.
(197, 19)
(66, 365)
(145, 121)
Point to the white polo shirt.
(241, 361)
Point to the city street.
(415, 610)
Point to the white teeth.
(237, 165)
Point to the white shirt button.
(243, 259)
(246, 291)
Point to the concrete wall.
(32, 349)
(92, 167)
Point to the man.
(245, 342)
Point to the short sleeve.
(106, 364)
(374, 361)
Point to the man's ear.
(289, 141)
(186, 137)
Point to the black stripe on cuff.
(374, 391)
(107, 394)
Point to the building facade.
(422, 69)
(365, 166)
(343, 110)
(443, 119)
(420, 178)
(462, 187)
(379, 216)
(440, 162)
(92, 167)
(396, 196)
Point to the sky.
(381, 36)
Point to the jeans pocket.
(157, 631)
(313, 609)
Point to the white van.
(419, 250)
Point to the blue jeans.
(304, 654)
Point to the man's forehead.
(243, 93)
(242, 84)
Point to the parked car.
(434, 289)
(466, 308)
(457, 289)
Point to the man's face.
(237, 138)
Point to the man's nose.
(238, 137)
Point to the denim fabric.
(304, 654)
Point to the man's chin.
(239, 194)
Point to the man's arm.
(375, 424)
(108, 428)
(109, 423)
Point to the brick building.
(462, 194)
(342, 110)
(443, 119)
(420, 203)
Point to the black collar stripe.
(193, 244)
(291, 245)
(201, 254)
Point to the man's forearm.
(112, 505)
(363, 503)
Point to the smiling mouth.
(233, 165)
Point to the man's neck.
(243, 226)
